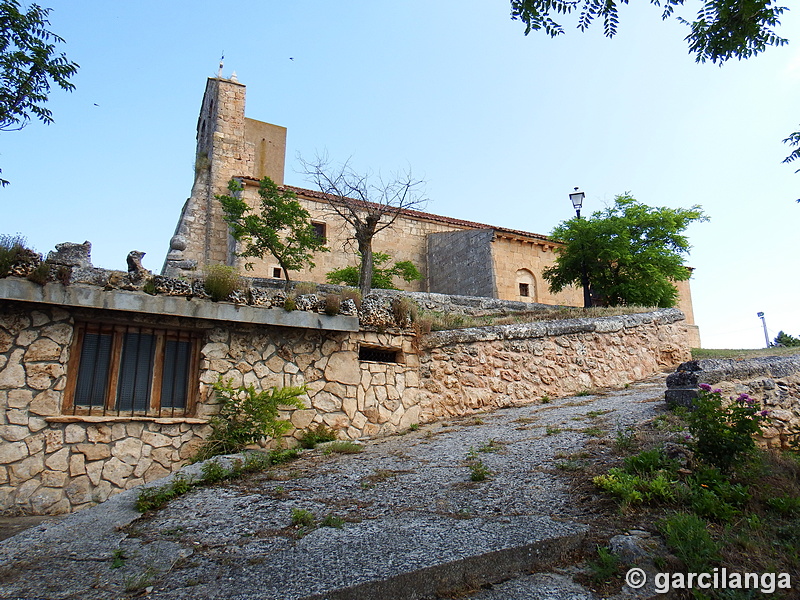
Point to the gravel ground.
(407, 503)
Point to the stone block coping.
(87, 296)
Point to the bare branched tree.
(369, 204)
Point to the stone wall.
(51, 462)
(469, 370)
(463, 262)
(772, 380)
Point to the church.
(470, 259)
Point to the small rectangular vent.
(377, 354)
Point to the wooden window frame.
(118, 332)
(320, 226)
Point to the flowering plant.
(723, 432)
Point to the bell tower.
(228, 145)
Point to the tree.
(382, 278)
(28, 64)
(723, 29)
(793, 140)
(367, 207)
(631, 253)
(282, 228)
(784, 339)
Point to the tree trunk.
(365, 269)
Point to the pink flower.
(705, 387)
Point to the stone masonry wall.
(52, 463)
(463, 262)
(774, 381)
(469, 370)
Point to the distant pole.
(764, 323)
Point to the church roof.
(416, 214)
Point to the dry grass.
(699, 353)
(445, 321)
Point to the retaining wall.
(772, 380)
(467, 370)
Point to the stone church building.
(471, 259)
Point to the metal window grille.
(122, 370)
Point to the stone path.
(414, 522)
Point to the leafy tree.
(631, 253)
(784, 339)
(281, 228)
(29, 64)
(722, 30)
(793, 140)
(367, 206)
(382, 278)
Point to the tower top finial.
(221, 63)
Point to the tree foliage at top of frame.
(721, 30)
(632, 253)
(28, 64)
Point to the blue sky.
(501, 126)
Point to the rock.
(117, 471)
(72, 255)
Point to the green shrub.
(688, 537)
(331, 520)
(343, 447)
(606, 566)
(630, 488)
(478, 471)
(247, 416)
(649, 461)
(289, 304)
(154, 497)
(382, 277)
(221, 281)
(311, 437)
(303, 518)
(724, 433)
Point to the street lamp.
(577, 202)
(760, 315)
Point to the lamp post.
(577, 202)
(760, 315)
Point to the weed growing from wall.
(247, 416)
(221, 281)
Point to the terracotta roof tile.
(416, 214)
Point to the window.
(123, 370)
(319, 230)
(276, 273)
(524, 290)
